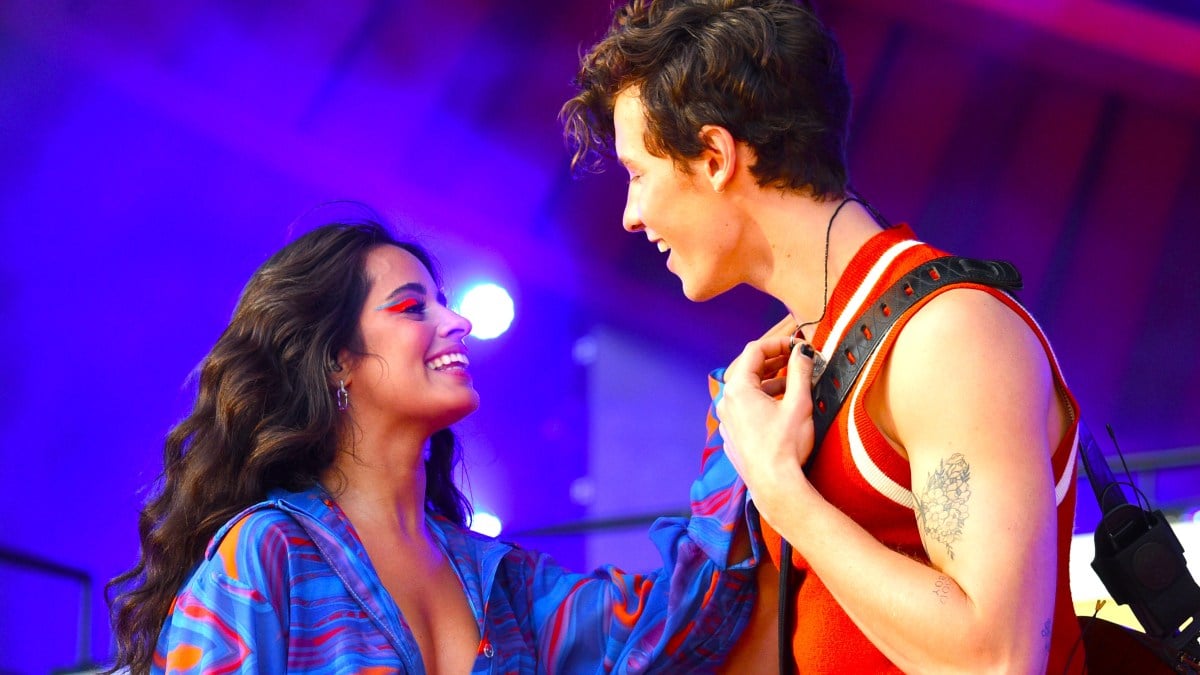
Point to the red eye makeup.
(399, 305)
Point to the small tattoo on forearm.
(942, 507)
(1046, 632)
(941, 588)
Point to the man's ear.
(719, 161)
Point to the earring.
(343, 396)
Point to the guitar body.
(1114, 649)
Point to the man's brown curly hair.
(766, 70)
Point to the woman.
(308, 519)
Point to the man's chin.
(700, 293)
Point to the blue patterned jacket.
(286, 586)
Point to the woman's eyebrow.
(413, 286)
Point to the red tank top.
(857, 471)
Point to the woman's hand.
(768, 439)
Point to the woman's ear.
(339, 369)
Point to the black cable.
(784, 625)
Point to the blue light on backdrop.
(486, 524)
(490, 309)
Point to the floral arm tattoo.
(942, 507)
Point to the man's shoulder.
(966, 314)
(967, 351)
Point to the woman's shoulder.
(247, 568)
(259, 539)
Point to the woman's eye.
(409, 306)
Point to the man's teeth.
(447, 360)
(662, 246)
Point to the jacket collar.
(474, 558)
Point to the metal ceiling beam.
(1115, 47)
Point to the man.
(932, 526)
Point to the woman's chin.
(462, 409)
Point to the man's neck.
(794, 265)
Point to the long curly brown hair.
(767, 70)
(264, 417)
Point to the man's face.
(680, 213)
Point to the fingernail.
(807, 350)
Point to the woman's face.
(415, 367)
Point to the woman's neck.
(380, 482)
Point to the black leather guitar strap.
(847, 361)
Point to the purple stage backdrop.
(153, 154)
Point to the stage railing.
(83, 649)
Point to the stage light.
(486, 524)
(490, 309)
